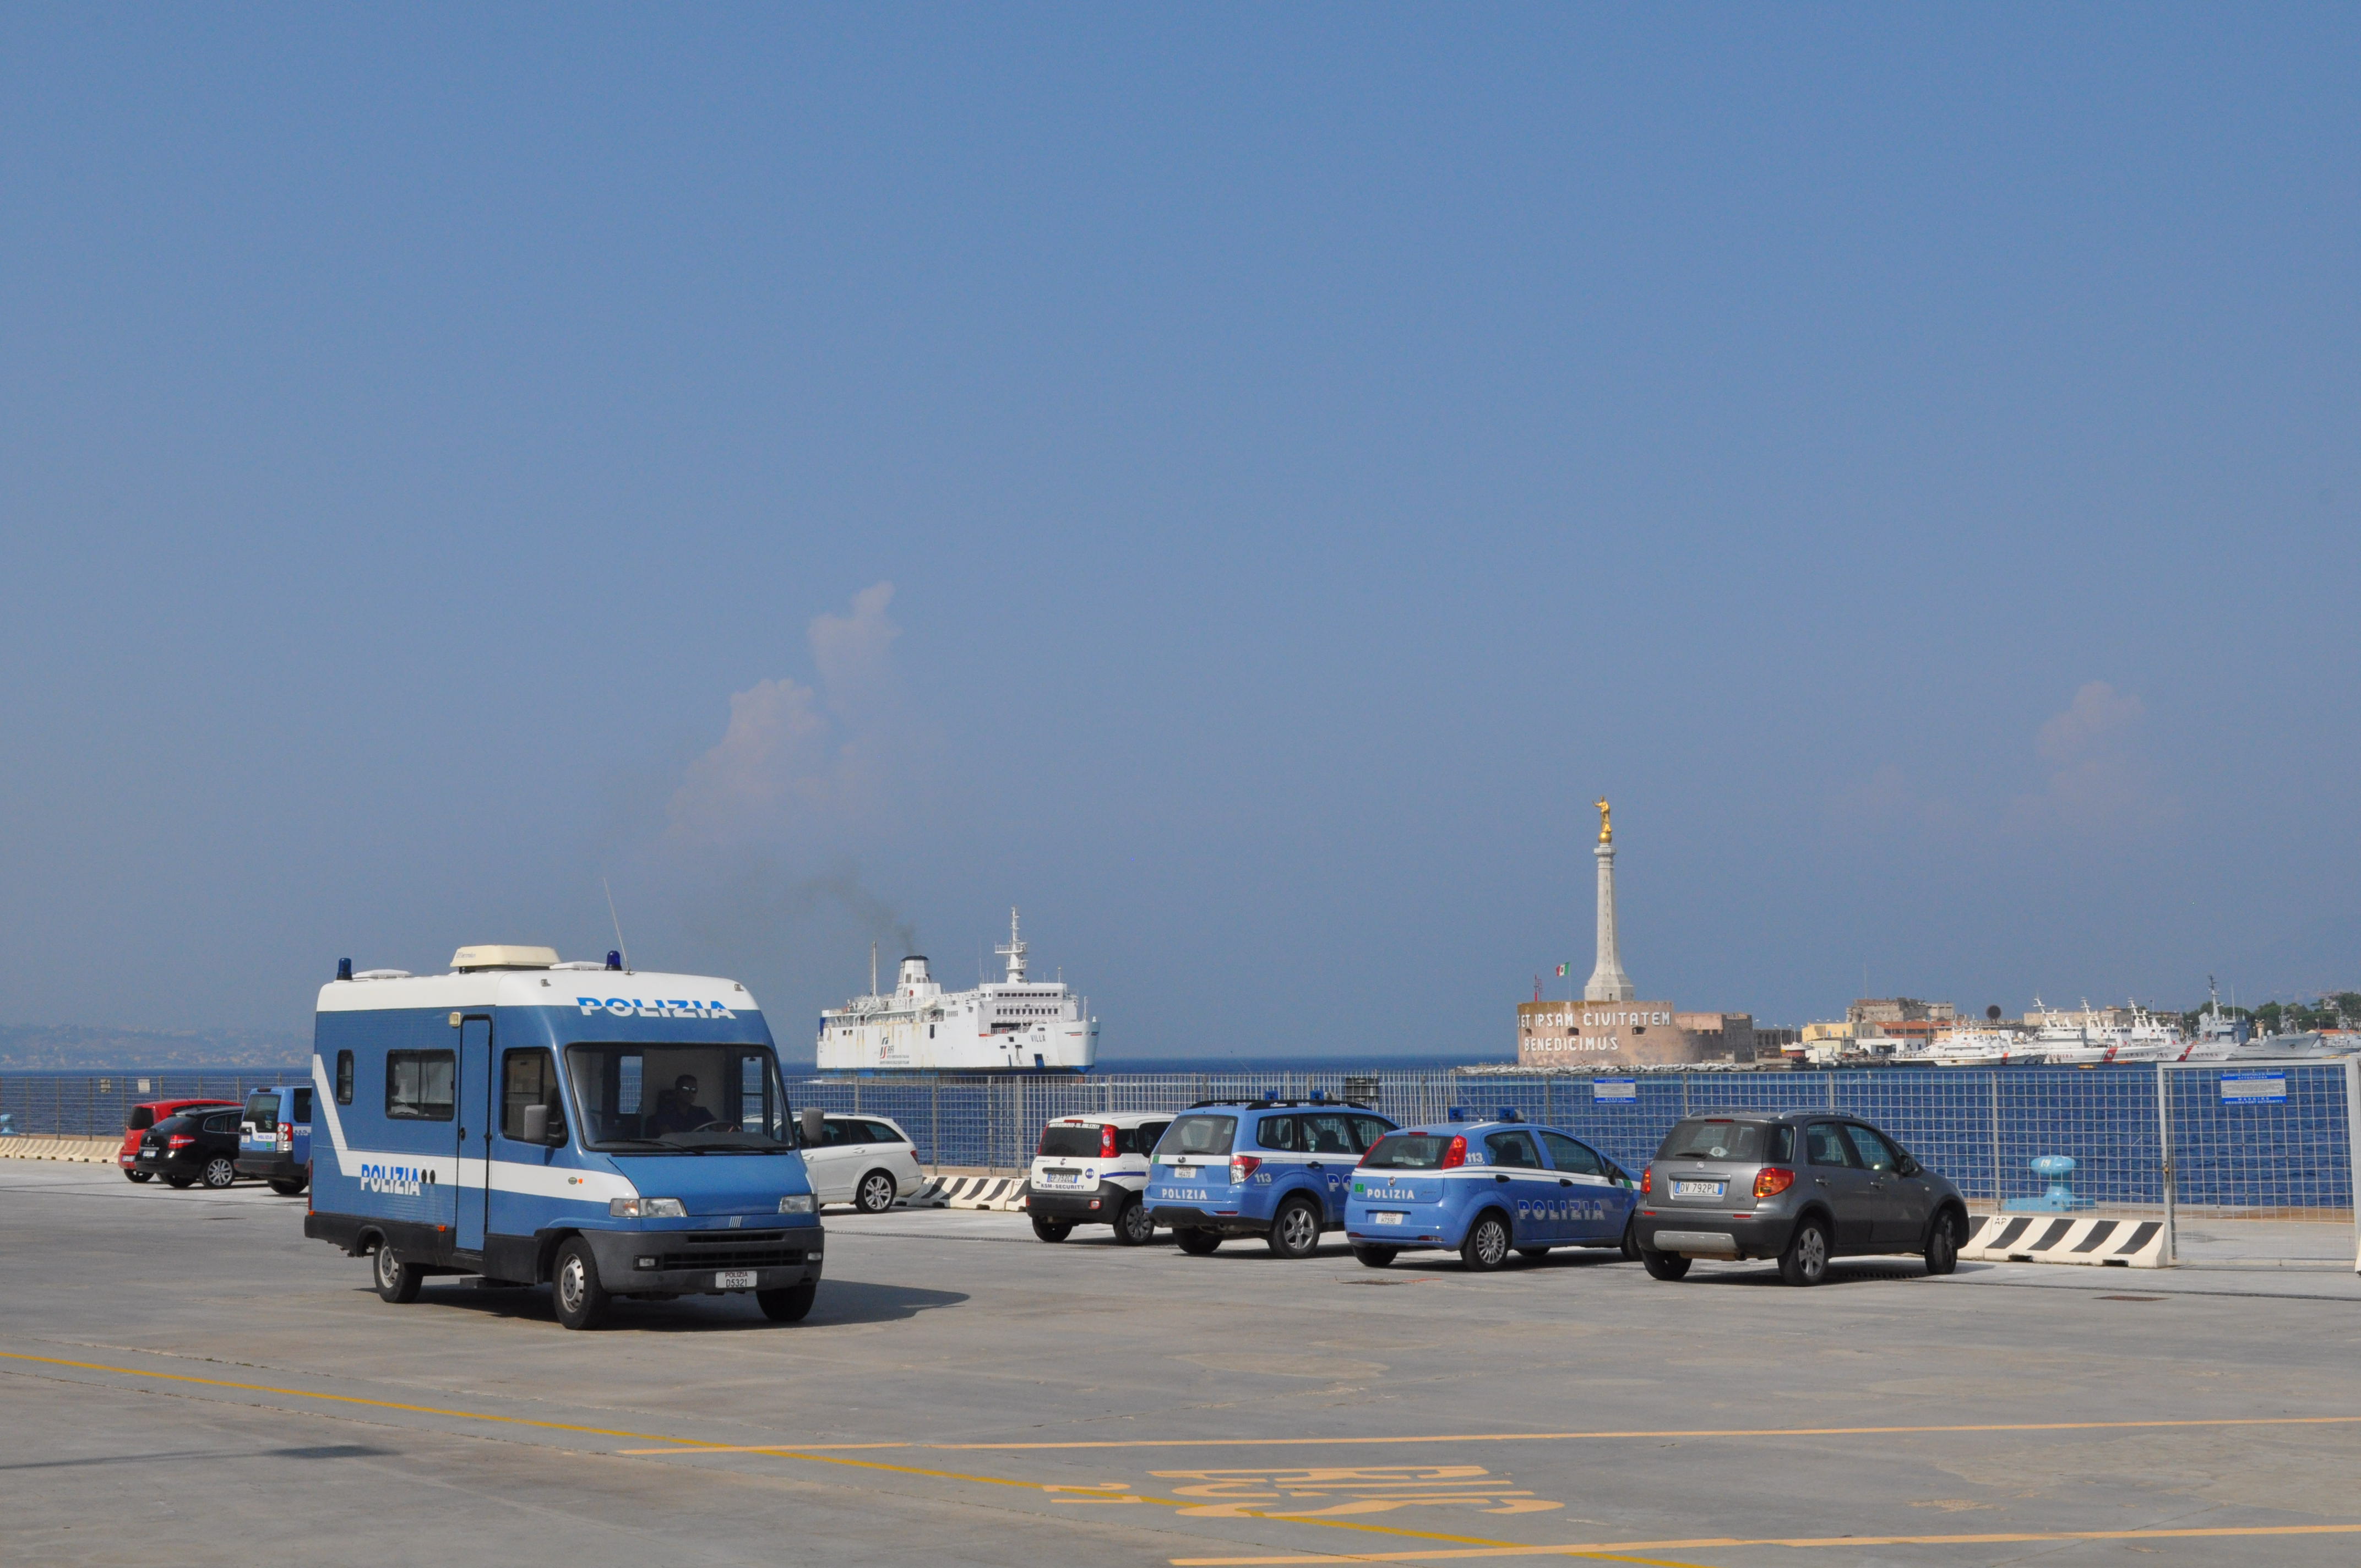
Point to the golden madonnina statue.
(1606, 828)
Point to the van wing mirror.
(815, 1124)
(536, 1124)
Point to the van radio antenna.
(618, 924)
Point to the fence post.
(935, 1119)
(2353, 1148)
(2164, 1128)
(1993, 1076)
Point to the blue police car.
(1274, 1168)
(1485, 1188)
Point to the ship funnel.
(913, 969)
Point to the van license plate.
(1387, 1217)
(1698, 1189)
(734, 1279)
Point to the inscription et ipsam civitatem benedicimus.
(1556, 1034)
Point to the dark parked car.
(1799, 1185)
(201, 1146)
(144, 1115)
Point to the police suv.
(274, 1139)
(604, 1131)
(1484, 1189)
(1274, 1168)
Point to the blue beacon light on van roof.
(614, 960)
(344, 968)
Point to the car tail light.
(1772, 1182)
(1242, 1165)
(1647, 1182)
(1106, 1143)
(1454, 1155)
(182, 1141)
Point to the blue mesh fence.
(46, 1104)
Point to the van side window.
(344, 1078)
(303, 1107)
(419, 1085)
(528, 1078)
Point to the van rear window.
(262, 1110)
(1197, 1133)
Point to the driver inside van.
(679, 1112)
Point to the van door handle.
(1499, 1178)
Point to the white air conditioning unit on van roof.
(504, 957)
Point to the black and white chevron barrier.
(2066, 1238)
(1000, 1192)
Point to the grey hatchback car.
(1802, 1186)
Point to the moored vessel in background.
(1014, 1024)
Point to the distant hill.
(83, 1047)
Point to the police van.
(1274, 1168)
(1483, 1188)
(604, 1131)
(274, 1137)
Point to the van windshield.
(638, 1099)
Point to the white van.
(1090, 1170)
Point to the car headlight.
(647, 1209)
(796, 1203)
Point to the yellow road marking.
(1609, 1548)
(679, 1445)
(1547, 1436)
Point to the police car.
(1274, 1168)
(1485, 1188)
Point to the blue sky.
(1236, 482)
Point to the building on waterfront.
(1892, 1010)
(1612, 1028)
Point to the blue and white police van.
(1483, 1188)
(274, 1137)
(1275, 1169)
(604, 1131)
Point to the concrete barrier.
(2058, 1238)
(87, 1151)
(1006, 1193)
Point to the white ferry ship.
(1009, 1025)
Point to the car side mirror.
(1905, 1166)
(536, 1125)
(815, 1124)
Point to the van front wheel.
(789, 1305)
(581, 1300)
(397, 1282)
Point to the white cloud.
(2100, 775)
(794, 760)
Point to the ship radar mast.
(1014, 951)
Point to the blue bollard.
(2059, 1199)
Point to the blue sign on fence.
(2254, 1088)
(1623, 1088)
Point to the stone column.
(1608, 982)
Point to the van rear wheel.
(397, 1282)
(580, 1299)
(789, 1305)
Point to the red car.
(146, 1115)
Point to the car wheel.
(1664, 1264)
(179, 1181)
(1942, 1246)
(139, 1176)
(581, 1300)
(876, 1194)
(1197, 1243)
(1631, 1239)
(1805, 1261)
(1534, 1252)
(220, 1171)
(1051, 1230)
(1374, 1257)
(790, 1305)
(1132, 1225)
(397, 1282)
(1295, 1229)
(288, 1189)
(1487, 1247)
